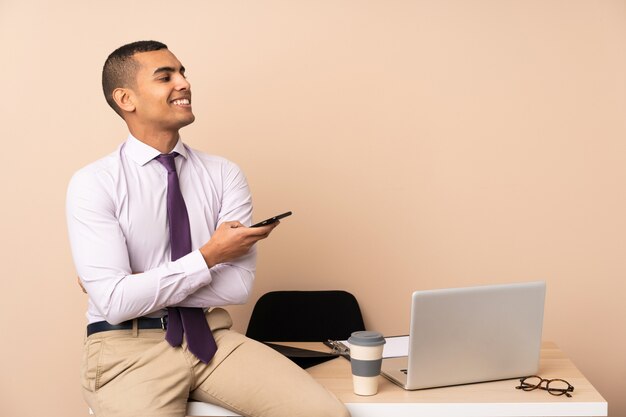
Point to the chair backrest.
(305, 316)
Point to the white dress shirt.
(119, 233)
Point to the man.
(158, 234)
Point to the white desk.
(492, 399)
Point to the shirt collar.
(142, 153)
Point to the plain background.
(420, 144)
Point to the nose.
(182, 83)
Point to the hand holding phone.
(272, 219)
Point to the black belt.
(142, 323)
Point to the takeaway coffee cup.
(366, 356)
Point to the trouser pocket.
(92, 351)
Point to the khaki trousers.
(134, 373)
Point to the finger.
(260, 236)
(81, 285)
(252, 234)
(231, 224)
(267, 228)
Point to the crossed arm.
(226, 244)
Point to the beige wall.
(420, 144)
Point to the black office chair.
(305, 316)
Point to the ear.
(124, 99)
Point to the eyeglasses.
(553, 386)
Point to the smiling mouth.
(181, 102)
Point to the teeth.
(181, 102)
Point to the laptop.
(473, 334)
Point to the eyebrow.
(167, 69)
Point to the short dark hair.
(120, 68)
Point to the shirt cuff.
(196, 271)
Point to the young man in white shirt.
(122, 244)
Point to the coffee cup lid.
(366, 338)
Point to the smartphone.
(272, 220)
